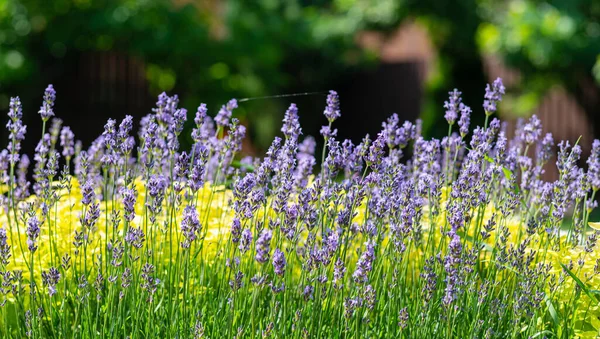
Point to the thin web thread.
(283, 96)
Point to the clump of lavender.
(397, 236)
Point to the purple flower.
(201, 117)
(338, 274)
(452, 106)
(464, 121)
(110, 142)
(279, 262)
(493, 95)
(376, 152)
(291, 124)
(332, 110)
(67, 142)
(33, 232)
(4, 248)
(327, 132)
(308, 292)
(364, 265)
(236, 230)
(15, 111)
(532, 130)
(594, 165)
(92, 214)
(55, 130)
(46, 111)
(88, 194)
(452, 267)
(16, 129)
(544, 149)
(179, 118)
(50, 278)
(129, 197)
(135, 237)
(125, 141)
(263, 244)
(405, 134)
(190, 226)
(430, 277)
(222, 118)
(196, 175)
(395, 135)
(245, 241)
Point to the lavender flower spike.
(465, 120)
(332, 110)
(190, 226)
(364, 264)
(46, 111)
(594, 165)
(50, 278)
(33, 232)
(262, 246)
(222, 118)
(532, 130)
(67, 142)
(279, 262)
(452, 106)
(493, 95)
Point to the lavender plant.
(137, 238)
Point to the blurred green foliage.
(206, 51)
(550, 42)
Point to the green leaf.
(580, 283)
(552, 311)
